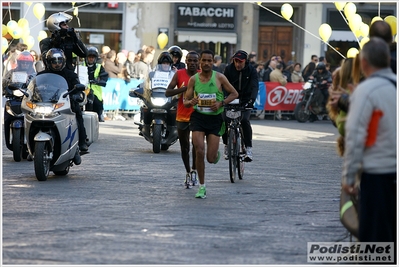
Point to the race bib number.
(205, 101)
(19, 77)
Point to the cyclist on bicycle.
(244, 78)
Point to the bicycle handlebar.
(236, 107)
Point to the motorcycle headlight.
(307, 85)
(17, 93)
(159, 101)
(45, 111)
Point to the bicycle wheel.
(241, 156)
(232, 154)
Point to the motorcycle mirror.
(14, 86)
(102, 83)
(80, 87)
(136, 92)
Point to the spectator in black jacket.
(244, 78)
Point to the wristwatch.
(223, 103)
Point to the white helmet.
(53, 22)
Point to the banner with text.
(279, 97)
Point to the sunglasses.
(58, 61)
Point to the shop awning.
(207, 37)
(343, 36)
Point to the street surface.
(126, 205)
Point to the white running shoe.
(226, 152)
(249, 153)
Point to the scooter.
(14, 133)
(158, 125)
(50, 125)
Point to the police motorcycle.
(158, 112)
(50, 125)
(14, 85)
(312, 107)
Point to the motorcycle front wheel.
(156, 138)
(299, 112)
(42, 160)
(17, 144)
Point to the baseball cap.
(240, 55)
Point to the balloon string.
(26, 13)
(40, 22)
(347, 23)
(271, 11)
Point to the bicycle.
(235, 146)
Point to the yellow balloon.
(355, 21)
(75, 11)
(363, 41)
(340, 5)
(391, 20)
(28, 3)
(23, 23)
(349, 9)
(287, 11)
(39, 10)
(4, 45)
(42, 35)
(11, 25)
(29, 41)
(73, 3)
(16, 33)
(4, 30)
(259, 3)
(375, 19)
(25, 33)
(352, 52)
(325, 31)
(364, 29)
(162, 40)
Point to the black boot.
(77, 159)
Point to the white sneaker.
(249, 153)
(187, 181)
(226, 152)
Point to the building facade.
(222, 27)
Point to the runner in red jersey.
(178, 86)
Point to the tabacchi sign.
(205, 17)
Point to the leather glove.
(249, 104)
(72, 34)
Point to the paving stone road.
(126, 205)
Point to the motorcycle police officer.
(64, 38)
(55, 63)
(322, 78)
(97, 79)
(176, 54)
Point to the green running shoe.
(201, 192)
(217, 158)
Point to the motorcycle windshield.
(47, 87)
